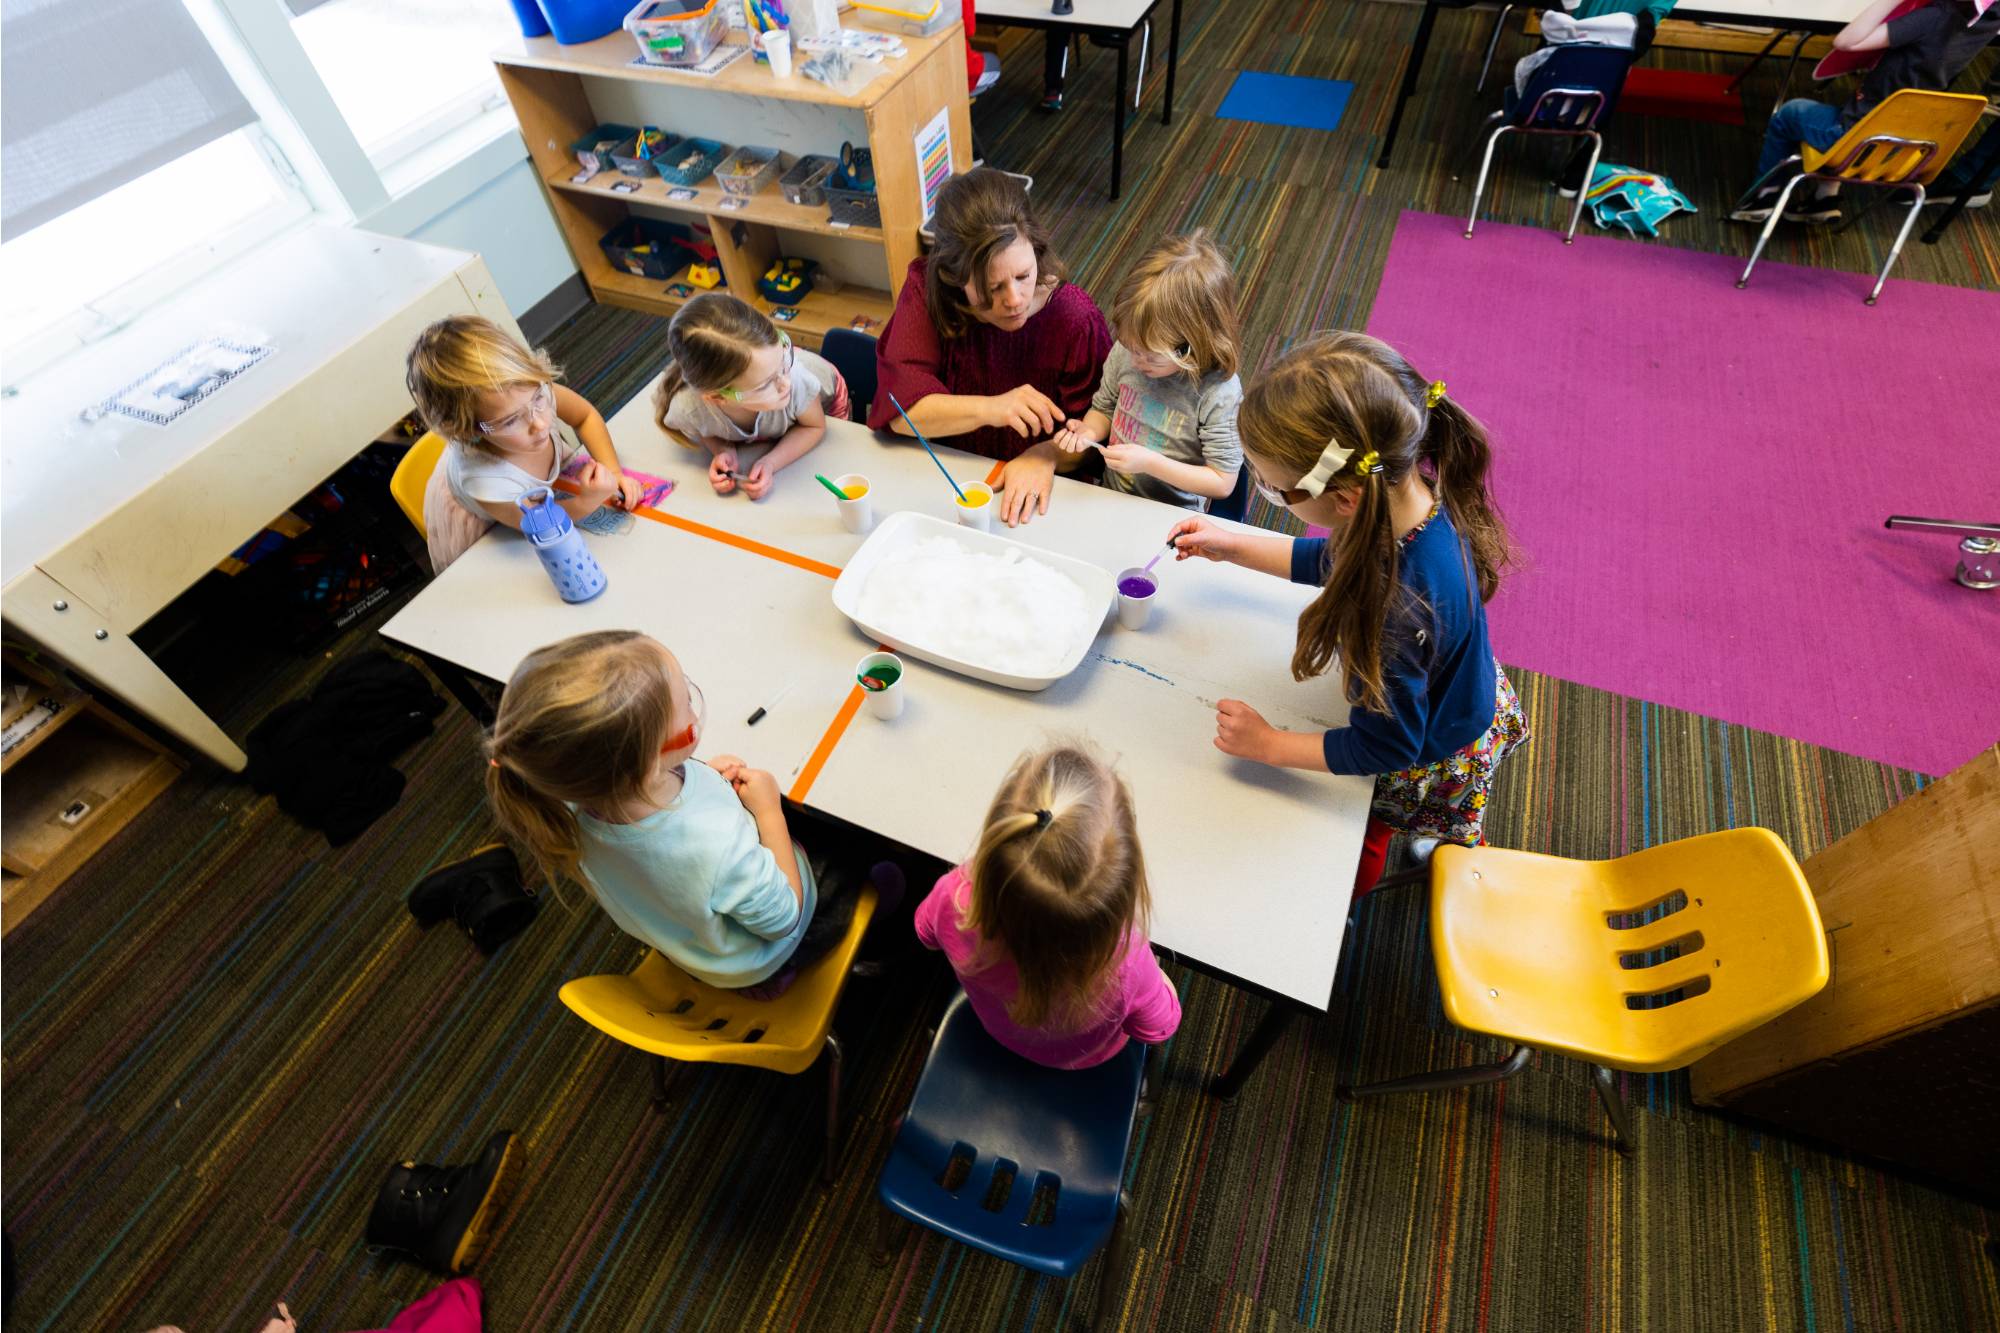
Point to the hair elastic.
(493, 763)
(1434, 395)
(1368, 463)
(1042, 818)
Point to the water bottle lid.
(542, 519)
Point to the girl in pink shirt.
(1046, 925)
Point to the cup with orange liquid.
(857, 511)
(975, 510)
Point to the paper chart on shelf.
(934, 159)
(722, 57)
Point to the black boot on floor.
(442, 1216)
(482, 893)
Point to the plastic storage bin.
(645, 248)
(691, 161)
(529, 15)
(593, 150)
(626, 155)
(805, 183)
(748, 170)
(574, 21)
(912, 18)
(857, 208)
(789, 281)
(676, 32)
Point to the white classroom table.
(103, 523)
(1250, 866)
(1110, 23)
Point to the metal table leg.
(1756, 60)
(1118, 123)
(1173, 63)
(459, 686)
(1410, 73)
(1979, 181)
(1277, 1017)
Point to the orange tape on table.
(824, 750)
(755, 547)
(993, 477)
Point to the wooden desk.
(1108, 23)
(106, 522)
(1251, 867)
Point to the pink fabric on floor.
(1698, 475)
(451, 1308)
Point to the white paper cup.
(1133, 611)
(778, 49)
(979, 512)
(882, 704)
(858, 514)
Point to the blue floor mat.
(1286, 99)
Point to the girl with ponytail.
(1346, 434)
(591, 769)
(1046, 924)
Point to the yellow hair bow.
(1434, 395)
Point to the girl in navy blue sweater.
(1346, 435)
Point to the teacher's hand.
(1026, 411)
(1025, 485)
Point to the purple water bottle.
(570, 565)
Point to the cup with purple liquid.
(1136, 587)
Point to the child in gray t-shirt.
(735, 380)
(1165, 410)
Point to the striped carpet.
(219, 1033)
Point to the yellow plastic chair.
(413, 474)
(1645, 963)
(662, 1010)
(1901, 145)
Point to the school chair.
(407, 483)
(853, 355)
(1023, 1162)
(1568, 96)
(1237, 502)
(1901, 145)
(1644, 963)
(668, 1014)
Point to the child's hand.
(722, 471)
(1198, 536)
(1242, 731)
(1073, 438)
(629, 491)
(726, 767)
(1133, 460)
(757, 482)
(758, 791)
(595, 482)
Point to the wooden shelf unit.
(550, 86)
(85, 756)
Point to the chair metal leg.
(1492, 45)
(660, 1100)
(1262, 1038)
(1759, 183)
(1770, 225)
(1145, 45)
(1614, 1108)
(1111, 1281)
(830, 1160)
(1472, 148)
(1441, 1079)
(1902, 235)
(888, 1229)
(1485, 166)
(1589, 174)
(1875, 198)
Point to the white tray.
(906, 528)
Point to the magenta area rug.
(1697, 477)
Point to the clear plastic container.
(748, 170)
(912, 18)
(805, 183)
(691, 161)
(676, 32)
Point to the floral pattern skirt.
(1447, 799)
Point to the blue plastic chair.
(1237, 503)
(1040, 1130)
(853, 355)
(1568, 95)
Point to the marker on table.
(758, 716)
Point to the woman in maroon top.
(990, 348)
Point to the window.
(404, 72)
(109, 256)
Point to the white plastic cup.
(778, 49)
(976, 509)
(1133, 610)
(857, 514)
(886, 703)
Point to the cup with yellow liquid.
(857, 511)
(976, 509)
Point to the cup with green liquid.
(880, 676)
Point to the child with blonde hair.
(1046, 925)
(736, 380)
(508, 428)
(1347, 435)
(591, 768)
(1165, 410)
